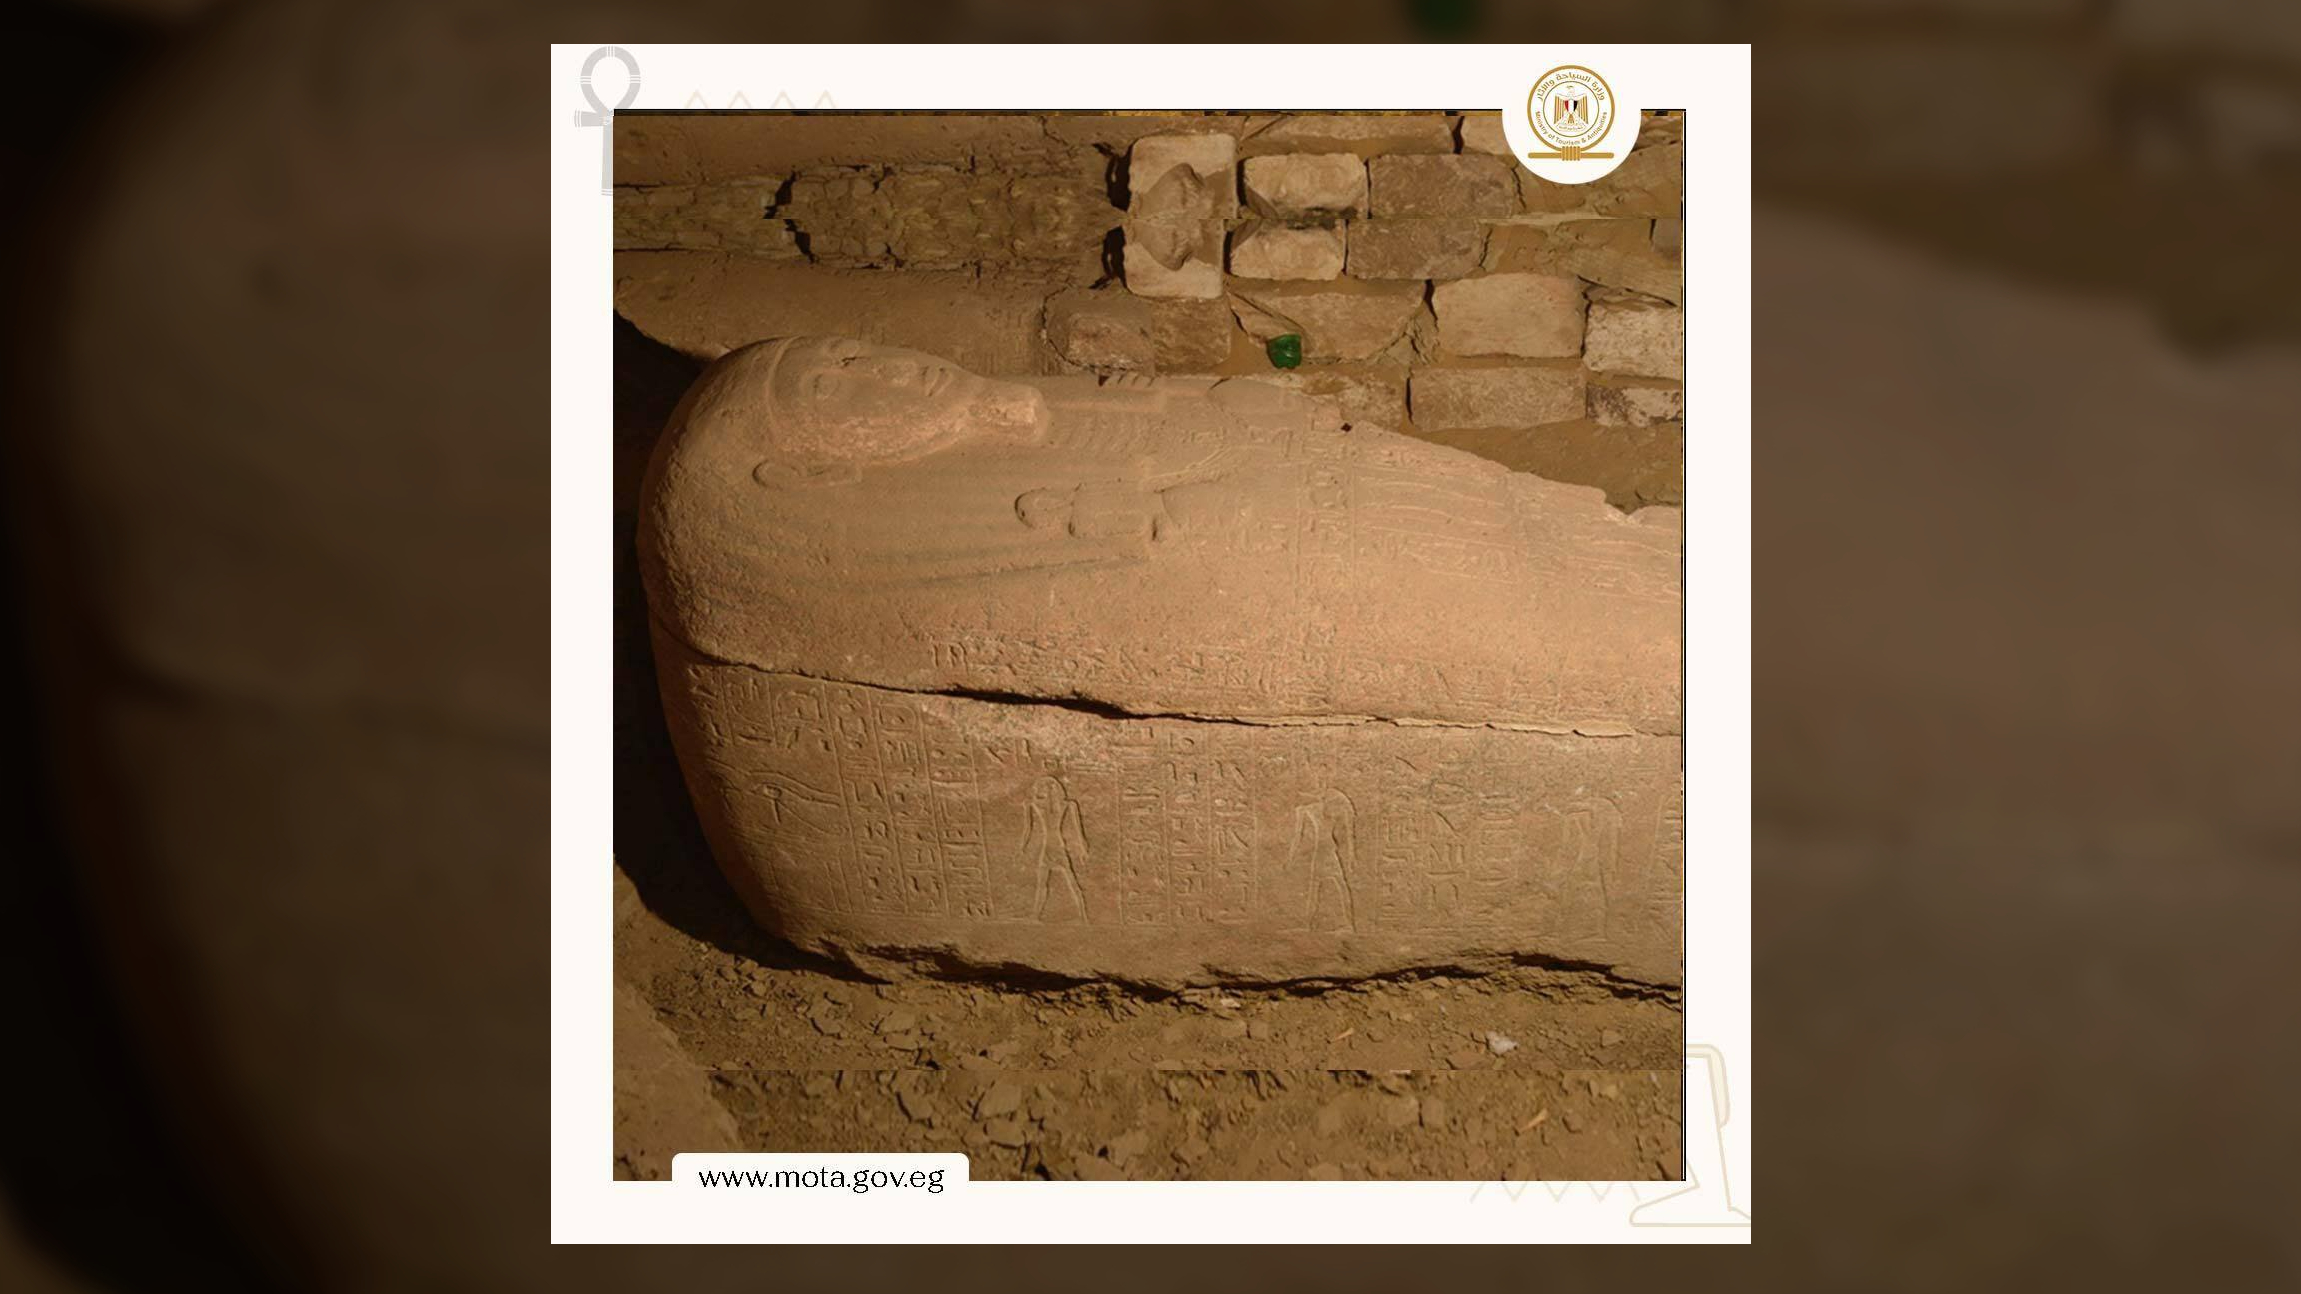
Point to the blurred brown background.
(2026, 619)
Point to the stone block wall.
(1438, 288)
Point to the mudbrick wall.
(1437, 288)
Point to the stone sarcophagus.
(1167, 681)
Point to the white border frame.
(1712, 82)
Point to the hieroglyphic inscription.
(1210, 833)
(897, 805)
(1325, 546)
(906, 782)
(1306, 676)
(1463, 528)
(958, 809)
(1026, 665)
(1656, 914)
(1183, 826)
(1594, 840)
(1450, 855)
(1142, 830)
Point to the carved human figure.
(1054, 844)
(1326, 845)
(1594, 840)
(833, 405)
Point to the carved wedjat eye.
(822, 386)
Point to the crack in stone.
(1112, 710)
(952, 963)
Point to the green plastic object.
(1285, 350)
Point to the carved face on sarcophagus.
(827, 405)
(1161, 680)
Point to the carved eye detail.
(821, 386)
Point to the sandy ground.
(1535, 1073)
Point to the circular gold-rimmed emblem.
(1570, 108)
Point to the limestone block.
(1540, 195)
(1637, 467)
(1481, 132)
(1534, 316)
(1618, 253)
(1651, 181)
(1182, 193)
(1354, 398)
(708, 147)
(1213, 158)
(703, 304)
(1629, 337)
(1448, 184)
(937, 215)
(1052, 217)
(1670, 237)
(1265, 250)
(1191, 336)
(1164, 680)
(1105, 329)
(1448, 399)
(1415, 249)
(848, 218)
(1519, 247)
(722, 217)
(1343, 322)
(1636, 406)
(943, 217)
(1195, 276)
(1365, 134)
(1117, 132)
(1293, 185)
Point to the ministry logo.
(1571, 109)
